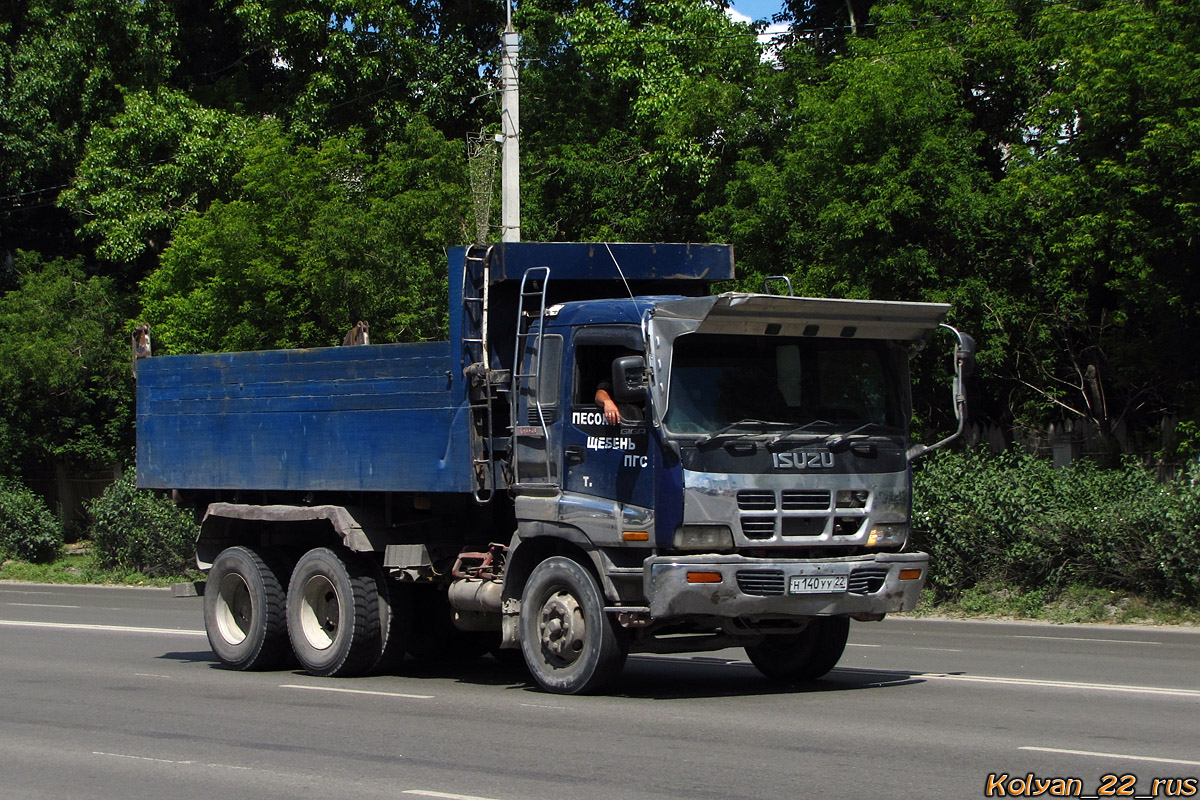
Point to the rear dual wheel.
(342, 617)
(338, 618)
(244, 609)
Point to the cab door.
(613, 462)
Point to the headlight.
(888, 535)
(703, 537)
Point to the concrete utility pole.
(510, 167)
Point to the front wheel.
(244, 609)
(571, 646)
(333, 614)
(803, 656)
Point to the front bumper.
(758, 587)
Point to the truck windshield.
(814, 385)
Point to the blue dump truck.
(603, 459)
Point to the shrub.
(28, 531)
(1017, 520)
(138, 530)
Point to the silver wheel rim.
(320, 612)
(235, 608)
(561, 627)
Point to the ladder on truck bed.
(526, 378)
(483, 382)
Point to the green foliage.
(160, 158)
(65, 384)
(642, 108)
(63, 61)
(1035, 164)
(314, 240)
(1018, 521)
(1109, 177)
(370, 64)
(140, 531)
(28, 531)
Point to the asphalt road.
(114, 693)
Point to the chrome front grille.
(756, 500)
(758, 527)
(761, 582)
(867, 580)
(798, 500)
(789, 514)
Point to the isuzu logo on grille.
(802, 460)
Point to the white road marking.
(40, 605)
(75, 626)
(446, 795)
(1095, 687)
(1123, 756)
(149, 675)
(938, 649)
(140, 758)
(1082, 639)
(856, 644)
(537, 705)
(183, 763)
(355, 691)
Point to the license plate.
(817, 584)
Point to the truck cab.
(756, 489)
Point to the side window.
(593, 374)
(545, 388)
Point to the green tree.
(640, 108)
(335, 65)
(65, 383)
(315, 239)
(61, 63)
(161, 157)
(1109, 172)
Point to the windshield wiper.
(839, 442)
(703, 440)
(797, 429)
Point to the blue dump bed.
(392, 417)
(368, 418)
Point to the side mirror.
(964, 365)
(964, 354)
(629, 379)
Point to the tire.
(244, 609)
(803, 656)
(571, 646)
(395, 624)
(433, 636)
(333, 614)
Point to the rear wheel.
(333, 614)
(803, 656)
(395, 623)
(571, 646)
(244, 603)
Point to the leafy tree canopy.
(313, 240)
(65, 382)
